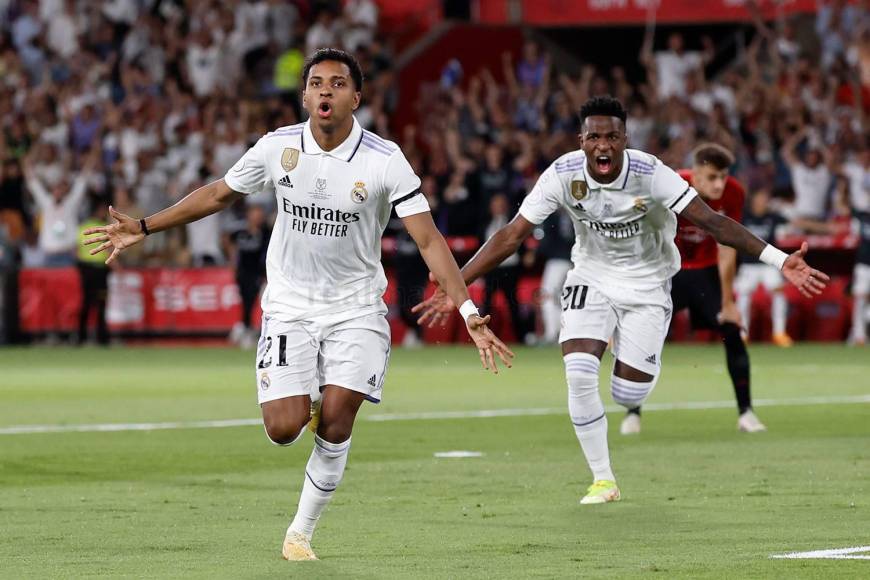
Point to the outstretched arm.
(498, 248)
(730, 233)
(440, 261)
(504, 243)
(127, 231)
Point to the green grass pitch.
(700, 500)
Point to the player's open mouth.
(324, 111)
(603, 163)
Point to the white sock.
(630, 394)
(780, 310)
(859, 331)
(743, 301)
(587, 412)
(322, 475)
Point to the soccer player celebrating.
(624, 205)
(705, 282)
(324, 335)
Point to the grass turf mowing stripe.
(435, 415)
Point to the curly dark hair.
(605, 106)
(324, 54)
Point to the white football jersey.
(624, 229)
(325, 252)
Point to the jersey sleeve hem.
(682, 200)
(536, 220)
(411, 204)
(237, 186)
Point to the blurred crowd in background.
(138, 102)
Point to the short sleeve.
(671, 190)
(545, 198)
(249, 174)
(403, 186)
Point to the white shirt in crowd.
(125, 11)
(203, 67)
(624, 229)
(859, 185)
(324, 255)
(362, 17)
(810, 187)
(321, 35)
(204, 238)
(62, 36)
(672, 69)
(58, 230)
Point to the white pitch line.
(691, 405)
(434, 415)
(835, 554)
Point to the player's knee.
(335, 431)
(632, 393)
(284, 430)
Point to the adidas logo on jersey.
(372, 380)
(285, 181)
(651, 359)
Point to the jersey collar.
(618, 183)
(345, 151)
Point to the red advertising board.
(151, 300)
(594, 12)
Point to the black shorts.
(700, 291)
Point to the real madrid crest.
(359, 194)
(265, 383)
(639, 205)
(579, 189)
(289, 159)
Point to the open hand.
(488, 344)
(807, 280)
(118, 236)
(436, 309)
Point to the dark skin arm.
(725, 230)
(504, 243)
(728, 232)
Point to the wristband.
(467, 309)
(773, 256)
(143, 226)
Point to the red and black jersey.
(698, 249)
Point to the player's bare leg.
(325, 467)
(285, 419)
(582, 363)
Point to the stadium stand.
(139, 102)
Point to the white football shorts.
(637, 320)
(861, 280)
(749, 276)
(299, 358)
